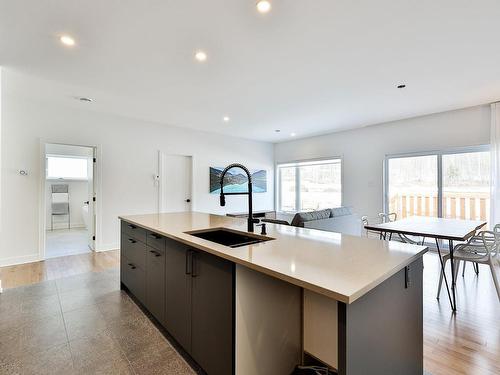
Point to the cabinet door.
(178, 293)
(212, 313)
(155, 283)
(133, 250)
(136, 281)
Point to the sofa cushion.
(341, 211)
(301, 217)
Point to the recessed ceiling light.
(67, 40)
(226, 119)
(293, 134)
(85, 99)
(277, 130)
(402, 86)
(263, 6)
(200, 56)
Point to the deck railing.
(456, 205)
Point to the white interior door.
(91, 204)
(175, 183)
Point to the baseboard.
(106, 247)
(13, 261)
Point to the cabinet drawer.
(155, 283)
(134, 231)
(156, 241)
(134, 279)
(133, 250)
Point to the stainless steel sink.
(228, 237)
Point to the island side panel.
(382, 332)
(268, 324)
(320, 328)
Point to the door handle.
(155, 253)
(132, 266)
(131, 240)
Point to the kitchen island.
(353, 303)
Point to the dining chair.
(484, 248)
(388, 218)
(365, 221)
(393, 216)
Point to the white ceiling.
(307, 67)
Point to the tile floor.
(62, 242)
(81, 324)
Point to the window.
(311, 185)
(66, 167)
(449, 184)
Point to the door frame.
(42, 198)
(158, 178)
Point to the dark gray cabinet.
(178, 293)
(155, 283)
(212, 313)
(132, 267)
(190, 292)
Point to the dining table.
(444, 229)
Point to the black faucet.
(251, 220)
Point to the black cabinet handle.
(132, 226)
(131, 240)
(188, 200)
(132, 266)
(193, 265)
(155, 253)
(155, 236)
(188, 262)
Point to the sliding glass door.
(466, 186)
(450, 184)
(413, 186)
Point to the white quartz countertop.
(336, 265)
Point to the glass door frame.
(439, 160)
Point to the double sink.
(228, 237)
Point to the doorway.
(69, 192)
(175, 182)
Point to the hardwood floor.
(465, 343)
(56, 268)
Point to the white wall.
(128, 156)
(363, 150)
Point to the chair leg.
(476, 268)
(495, 278)
(463, 269)
(457, 266)
(440, 284)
